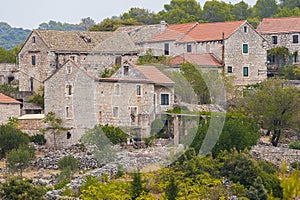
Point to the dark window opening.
(245, 48)
(245, 29)
(10, 79)
(118, 60)
(33, 39)
(274, 39)
(246, 71)
(69, 89)
(295, 39)
(189, 48)
(164, 99)
(167, 49)
(69, 135)
(31, 84)
(138, 90)
(33, 59)
(126, 70)
(229, 69)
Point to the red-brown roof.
(279, 25)
(153, 74)
(7, 100)
(201, 59)
(173, 32)
(211, 31)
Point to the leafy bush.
(61, 184)
(114, 134)
(157, 126)
(11, 138)
(38, 139)
(69, 161)
(19, 189)
(295, 165)
(294, 145)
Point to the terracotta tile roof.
(7, 100)
(279, 25)
(72, 40)
(155, 75)
(211, 31)
(173, 32)
(201, 59)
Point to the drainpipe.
(223, 51)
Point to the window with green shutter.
(245, 48)
(229, 69)
(245, 71)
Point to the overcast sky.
(30, 13)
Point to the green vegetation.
(294, 145)
(38, 139)
(82, 26)
(11, 138)
(68, 166)
(7, 89)
(38, 98)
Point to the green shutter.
(245, 48)
(246, 71)
(229, 69)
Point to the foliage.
(38, 139)
(290, 72)
(157, 126)
(11, 37)
(68, 162)
(54, 125)
(19, 159)
(172, 189)
(137, 187)
(290, 183)
(13, 121)
(140, 15)
(19, 189)
(294, 145)
(38, 98)
(257, 191)
(275, 106)
(11, 138)
(113, 24)
(61, 184)
(281, 55)
(149, 58)
(59, 26)
(295, 165)
(94, 189)
(217, 11)
(7, 89)
(265, 8)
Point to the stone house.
(132, 97)
(45, 51)
(281, 32)
(8, 73)
(237, 45)
(9, 107)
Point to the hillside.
(10, 37)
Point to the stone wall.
(8, 110)
(31, 126)
(8, 72)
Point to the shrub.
(294, 145)
(11, 138)
(38, 139)
(295, 165)
(68, 161)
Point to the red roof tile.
(279, 25)
(211, 31)
(173, 32)
(155, 75)
(201, 59)
(7, 100)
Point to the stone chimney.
(163, 25)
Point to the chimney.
(163, 25)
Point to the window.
(74, 58)
(31, 84)
(115, 111)
(126, 70)
(138, 90)
(164, 99)
(274, 39)
(295, 57)
(189, 48)
(67, 112)
(33, 59)
(69, 69)
(229, 69)
(118, 60)
(245, 29)
(167, 49)
(245, 71)
(117, 89)
(271, 59)
(69, 90)
(245, 48)
(295, 39)
(33, 40)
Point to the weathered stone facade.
(32, 124)
(247, 68)
(83, 101)
(9, 107)
(8, 73)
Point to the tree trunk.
(275, 137)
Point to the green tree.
(112, 24)
(172, 189)
(11, 138)
(265, 8)
(290, 72)
(257, 191)
(275, 106)
(140, 15)
(38, 98)
(241, 10)
(217, 11)
(137, 187)
(68, 165)
(280, 54)
(54, 125)
(19, 159)
(19, 189)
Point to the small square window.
(189, 48)
(274, 39)
(245, 71)
(164, 99)
(245, 48)
(295, 39)
(229, 69)
(115, 111)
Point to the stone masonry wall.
(8, 110)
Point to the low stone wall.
(275, 155)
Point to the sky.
(28, 14)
